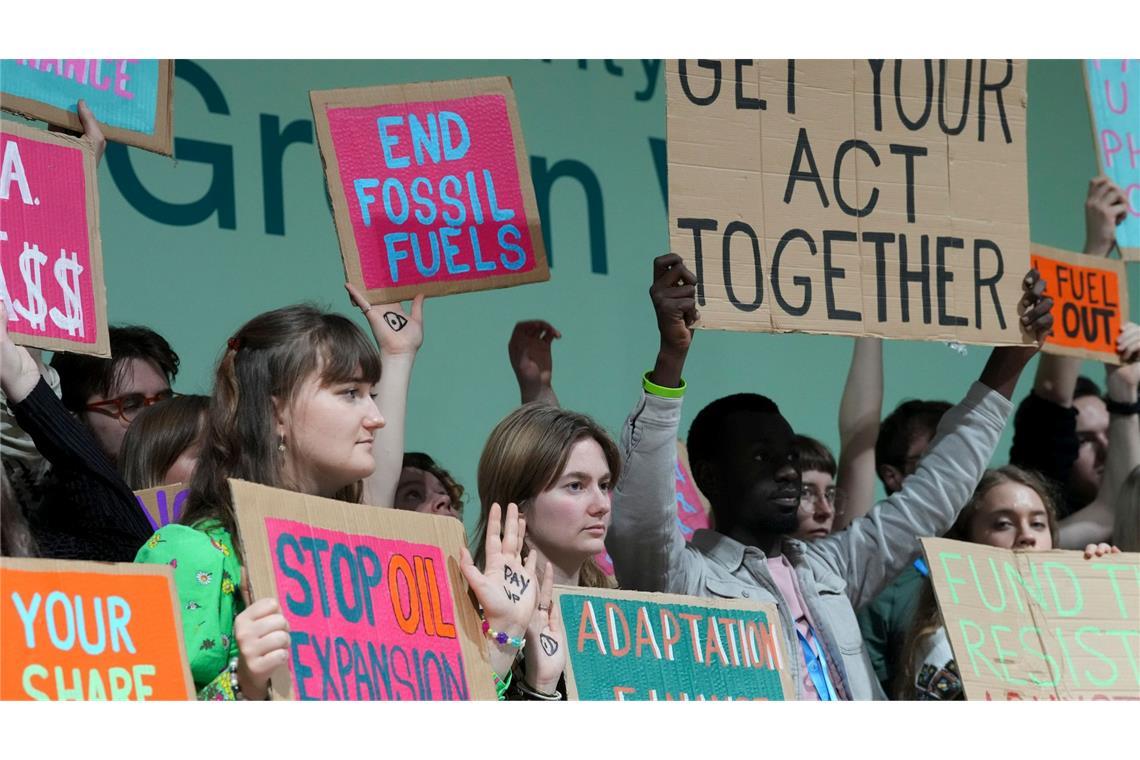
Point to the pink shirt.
(785, 577)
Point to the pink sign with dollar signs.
(52, 279)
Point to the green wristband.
(502, 684)
(660, 390)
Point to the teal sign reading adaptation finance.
(633, 646)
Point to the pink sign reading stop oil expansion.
(433, 190)
(48, 283)
(369, 618)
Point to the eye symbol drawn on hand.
(395, 321)
(549, 645)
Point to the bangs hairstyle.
(814, 455)
(269, 358)
(525, 455)
(82, 377)
(158, 436)
(422, 461)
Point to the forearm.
(19, 372)
(644, 540)
(388, 445)
(1005, 365)
(540, 393)
(859, 414)
(1056, 378)
(1123, 443)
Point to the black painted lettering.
(876, 65)
(698, 225)
(920, 276)
(1070, 319)
(831, 273)
(910, 152)
(987, 282)
(791, 85)
(928, 95)
(943, 95)
(803, 150)
(943, 277)
(880, 240)
(844, 147)
(743, 103)
(702, 63)
(726, 257)
(801, 281)
(996, 89)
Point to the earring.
(281, 444)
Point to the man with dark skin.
(743, 458)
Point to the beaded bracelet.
(503, 639)
(234, 685)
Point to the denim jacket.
(837, 574)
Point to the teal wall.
(196, 283)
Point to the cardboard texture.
(1090, 302)
(692, 507)
(163, 505)
(1113, 88)
(852, 197)
(376, 603)
(133, 99)
(51, 261)
(1039, 625)
(430, 187)
(84, 631)
(634, 646)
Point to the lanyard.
(817, 669)
(921, 567)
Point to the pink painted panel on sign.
(433, 190)
(45, 250)
(369, 618)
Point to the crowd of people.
(305, 400)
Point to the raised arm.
(531, 360)
(644, 539)
(399, 336)
(859, 413)
(875, 548)
(1094, 522)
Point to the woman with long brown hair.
(291, 408)
(559, 467)
(1011, 508)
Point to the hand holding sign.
(545, 639)
(92, 132)
(262, 634)
(396, 331)
(1121, 380)
(674, 295)
(18, 371)
(505, 588)
(1105, 208)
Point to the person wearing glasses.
(820, 501)
(87, 511)
(107, 394)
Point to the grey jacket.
(837, 574)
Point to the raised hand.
(19, 372)
(1036, 308)
(545, 653)
(396, 331)
(674, 296)
(92, 133)
(262, 635)
(506, 587)
(1105, 208)
(1122, 379)
(530, 352)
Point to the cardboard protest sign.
(163, 505)
(692, 506)
(132, 98)
(374, 598)
(430, 187)
(1113, 87)
(632, 646)
(76, 631)
(1090, 302)
(51, 265)
(874, 197)
(1039, 625)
